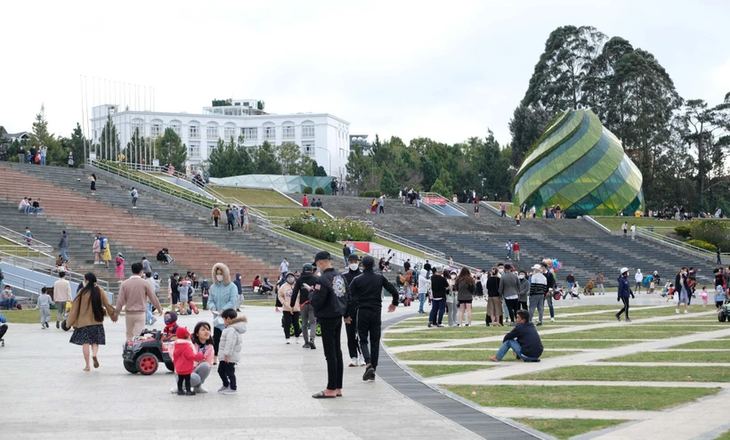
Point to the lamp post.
(329, 154)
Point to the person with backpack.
(134, 195)
(106, 253)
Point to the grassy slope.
(252, 196)
(567, 428)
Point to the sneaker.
(685, 312)
(628, 320)
(676, 310)
(173, 390)
(180, 393)
(361, 361)
(230, 392)
(58, 324)
(466, 325)
(618, 317)
(153, 321)
(190, 393)
(440, 325)
(552, 319)
(369, 372)
(430, 325)
(199, 389)
(353, 362)
(223, 389)
(287, 341)
(539, 323)
(311, 345)
(306, 345)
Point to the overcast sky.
(444, 70)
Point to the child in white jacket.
(229, 350)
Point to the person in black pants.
(353, 270)
(329, 301)
(365, 305)
(624, 292)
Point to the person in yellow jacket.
(290, 314)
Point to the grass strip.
(260, 303)
(407, 342)
(705, 345)
(558, 344)
(589, 397)
(567, 428)
(29, 316)
(441, 370)
(623, 373)
(466, 355)
(253, 196)
(676, 356)
(618, 333)
(452, 333)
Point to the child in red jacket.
(184, 358)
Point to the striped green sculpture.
(580, 166)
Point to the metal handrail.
(23, 284)
(647, 232)
(448, 202)
(273, 228)
(22, 240)
(595, 223)
(409, 244)
(493, 208)
(20, 250)
(48, 269)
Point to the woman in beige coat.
(290, 314)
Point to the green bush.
(332, 230)
(370, 193)
(683, 231)
(307, 190)
(319, 190)
(715, 232)
(704, 245)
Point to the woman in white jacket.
(424, 284)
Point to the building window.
(176, 129)
(194, 132)
(229, 132)
(211, 147)
(194, 150)
(211, 132)
(139, 127)
(270, 132)
(308, 148)
(156, 130)
(308, 131)
(250, 134)
(288, 132)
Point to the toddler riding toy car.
(724, 313)
(144, 353)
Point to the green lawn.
(556, 344)
(699, 356)
(253, 196)
(705, 345)
(407, 342)
(456, 333)
(649, 374)
(29, 316)
(466, 355)
(618, 333)
(581, 396)
(567, 428)
(724, 436)
(441, 370)
(260, 302)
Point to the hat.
(353, 256)
(368, 261)
(307, 267)
(155, 275)
(537, 267)
(182, 333)
(623, 270)
(322, 255)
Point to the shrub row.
(332, 230)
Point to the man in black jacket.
(439, 288)
(365, 306)
(329, 300)
(308, 319)
(551, 284)
(523, 340)
(353, 270)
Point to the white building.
(321, 136)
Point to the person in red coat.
(184, 361)
(305, 201)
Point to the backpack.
(103, 243)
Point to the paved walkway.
(47, 395)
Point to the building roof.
(217, 116)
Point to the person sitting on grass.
(523, 340)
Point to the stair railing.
(649, 233)
(456, 206)
(46, 269)
(37, 246)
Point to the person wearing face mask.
(550, 278)
(329, 300)
(538, 291)
(683, 290)
(301, 294)
(223, 295)
(365, 306)
(624, 292)
(524, 290)
(424, 284)
(290, 315)
(353, 270)
(452, 302)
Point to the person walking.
(599, 283)
(509, 290)
(230, 219)
(119, 261)
(424, 285)
(538, 292)
(223, 296)
(134, 195)
(133, 296)
(290, 312)
(63, 245)
(552, 285)
(508, 246)
(516, 251)
(96, 248)
(683, 291)
(365, 305)
(439, 289)
(87, 318)
(624, 293)
(465, 288)
(284, 267)
(494, 302)
(106, 253)
(633, 231)
(146, 266)
(329, 300)
(301, 293)
(346, 252)
(61, 295)
(625, 228)
(353, 271)
(216, 215)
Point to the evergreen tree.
(109, 143)
(137, 149)
(40, 136)
(170, 149)
(265, 161)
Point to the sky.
(447, 71)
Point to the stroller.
(404, 297)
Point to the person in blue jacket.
(223, 295)
(3, 327)
(624, 293)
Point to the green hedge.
(683, 231)
(715, 232)
(704, 245)
(332, 230)
(370, 193)
(307, 190)
(319, 190)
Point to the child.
(703, 295)
(170, 324)
(651, 286)
(184, 358)
(182, 289)
(229, 350)
(719, 297)
(665, 291)
(670, 292)
(44, 305)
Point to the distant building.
(361, 140)
(23, 137)
(321, 136)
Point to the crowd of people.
(30, 206)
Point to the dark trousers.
(352, 346)
(3, 330)
(331, 342)
(625, 308)
(215, 220)
(438, 306)
(289, 320)
(180, 379)
(229, 227)
(512, 307)
(216, 339)
(368, 326)
(205, 302)
(227, 372)
(521, 305)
